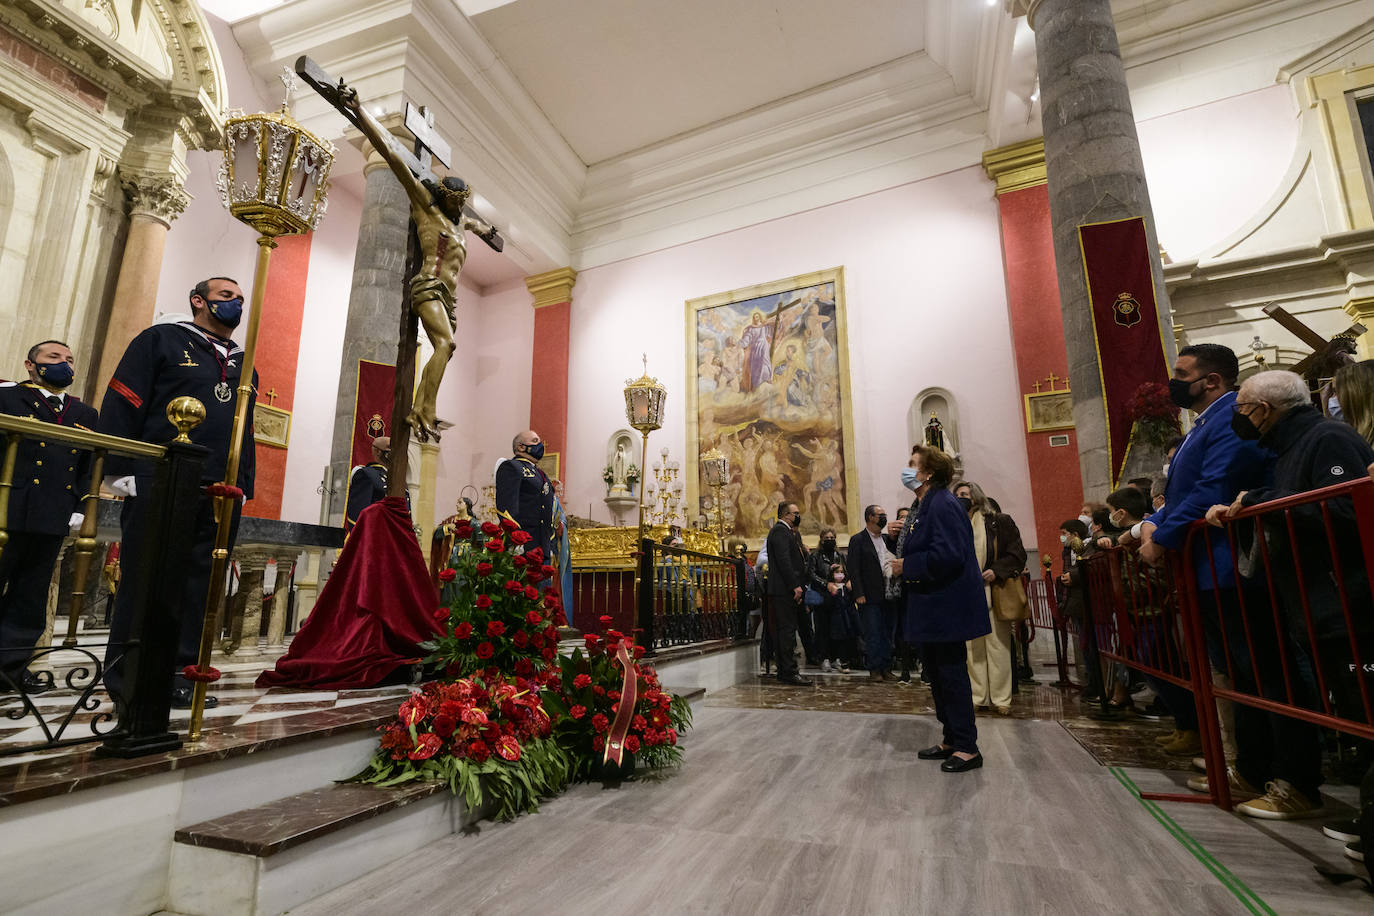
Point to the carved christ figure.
(436, 208)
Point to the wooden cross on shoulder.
(1322, 349)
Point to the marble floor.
(822, 811)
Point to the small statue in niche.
(935, 433)
(621, 474)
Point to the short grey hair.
(1278, 388)
(1157, 486)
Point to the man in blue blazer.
(1214, 463)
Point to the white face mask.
(1063, 539)
(1333, 408)
(1165, 469)
(1087, 520)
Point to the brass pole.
(224, 505)
(6, 485)
(85, 545)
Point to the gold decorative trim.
(1045, 411)
(552, 287)
(1016, 167)
(851, 469)
(611, 548)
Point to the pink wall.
(922, 263)
(1210, 168)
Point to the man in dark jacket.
(867, 563)
(367, 483)
(786, 576)
(525, 494)
(49, 480)
(1275, 409)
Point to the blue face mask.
(909, 479)
(535, 451)
(1333, 409)
(228, 312)
(55, 375)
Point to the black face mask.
(882, 521)
(1181, 392)
(966, 503)
(1244, 427)
(828, 545)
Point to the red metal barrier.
(1292, 627)
(1044, 615)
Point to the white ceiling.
(616, 75)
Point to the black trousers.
(26, 566)
(783, 613)
(132, 524)
(946, 665)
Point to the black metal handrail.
(686, 596)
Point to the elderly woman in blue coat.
(945, 602)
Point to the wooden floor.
(782, 811)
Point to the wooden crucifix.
(435, 254)
(1327, 355)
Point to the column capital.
(551, 287)
(1361, 309)
(1020, 165)
(1025, 8)
(158, 197)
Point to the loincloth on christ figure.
(431, 289)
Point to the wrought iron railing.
(77, 713)
(687, 597)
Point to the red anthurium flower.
(495, 628)
(412, 710)
(463, 630)
(429, 744)
(447, 575)
(520, 537)
(508, 748)
(491, 529)
(485, 650)
(474, 716)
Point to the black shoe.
(1154, 712)
(1346, 831)
(960, 765)
(181, 698)
(935, 752)
(796, 680)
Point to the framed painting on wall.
(1049, 410)
(768, 385)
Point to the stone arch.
(942, 403)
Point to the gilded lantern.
(275, 173)
(644, 398)
(715, 467)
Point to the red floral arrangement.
(497, 617)
(586, 701)
(484, 736)
(1153, 415)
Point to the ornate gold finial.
(185, 413)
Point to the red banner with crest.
(1130, 348)
(371, 407)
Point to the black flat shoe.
(935, 752)
(796, 680)
(181, 698)
(960, 765)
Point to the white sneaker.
(825, 664)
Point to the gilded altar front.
(612, 548)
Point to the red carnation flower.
(520, 561)
(531, 592)
(513, 587)
(599, 690)
(483, 568)
(447, 575)
(521, 639)
(485, 650)
(612, 694)
(659, 718)
(582, 680)
(474, 716)
(483, 602)
(632, 744)
(577, 712)
(534, 618)
(444, 725)
(598, 743)
(638, 723)
(509, 524)
(535, 555)
(491, 529)
(672, 736)
(495, 545)
(428, 745)
(600, 723)
(495, 628)
(478, 750)
(520, 537)
(463, 630)
(508, 748)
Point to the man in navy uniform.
(50, 479)
(367, 483)
(164, 362)
(524, 492)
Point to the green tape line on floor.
(1242, 892)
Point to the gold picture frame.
(794, 412)
(551, 464)
(271, 425)
(1049, 410)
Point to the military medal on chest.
(223, 392)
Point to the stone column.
(1095, 174)
(552, 293)
(310, 572)
(281, 595)
(373, 306)
(154, 201)
(424, 513)
(246, 617)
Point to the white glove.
(124, 486)
(74, 523)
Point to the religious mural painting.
(768, 385)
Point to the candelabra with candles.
(715, 468)
(666, 489)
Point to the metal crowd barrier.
(156, 580)
(1044, 615)
(1292, 628)
(687, 597)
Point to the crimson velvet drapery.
(377, 606)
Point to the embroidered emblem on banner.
(1338, 471)
(1127, 310)
(375, 426)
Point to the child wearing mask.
(842, 620)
